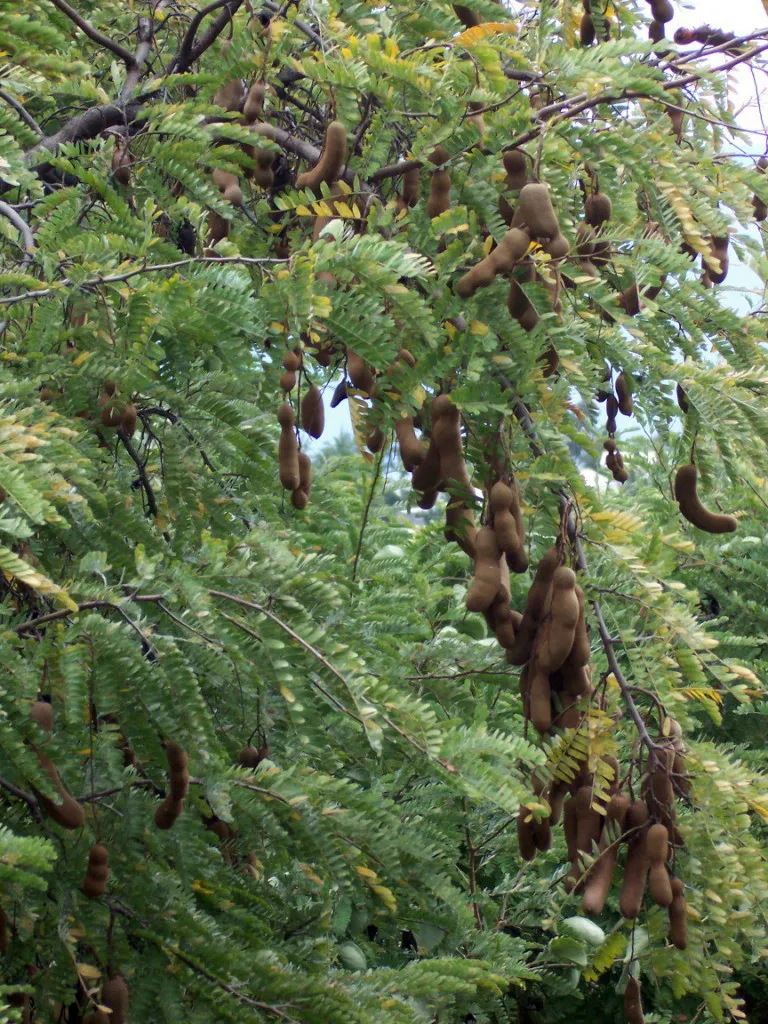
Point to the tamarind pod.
(597, 209)
(760, 208)
(439, 193)
(42, 713)
(534, 609)
(633, 1007)
(558, 246)
(551, 361)
(111, 412)
(589, 822)
(629, 299)
(69, 813)
(656, 31)
(412, 451)
(487, 578)
(231, 96)
(426, 476)
(300, 496)
(555, 636)
(331, 159)
(719, 249)
(678, 918)
(178, 773)
(218, 228)
(657, 845)
(624, 395)
(460, 527)
(375, 440)
(580, 651)
(663, 11)
(585, 240)
(682, 780)
(516, 167)
(121, 163)
(571, 715)
(504, 258)
(525, 840)
(539, 701)
(505, 633)
(253, 107)
(411, 187)
(610, 446)
(129, 419)
(167, 813)
(115, 995)
(537, 212)
(574, 680)
(288, 381)
(600, 876)
(542, 835)
(288, 449)
(312, 412)
(291, 361)
(359, 373)
(339, 394)
(251, 757)
(692, 508)
(637, 865)
(97, 872)
(587, 30)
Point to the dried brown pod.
(624, 394)
(588, 825)
(536, 212)
(339, 393)
(229, 185)
(633, 1006)
(360, 373)
(331, 160)
(678, 917)
(687, 496)
(682, 399)
(42, 713)
(501, 260)
(68, 813)
(487, 578)
(601, 873)
(597, 209)
(97, 872)
(439, 200)
(129, 419)
(555, 635)
(167, 813)
(251, 757)
(637, 864)
(288, 449)
(231, 96)
(313, 412)
(657, 845)
(538, 595)
(525, 834)
(178, 772)
(253, 107)
(411, 449)
(719, 249)
(115, 995)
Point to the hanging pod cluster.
(294, 465)
(594, 22)
(178, 786)
(662, 12)
(65, 811)
(116, 413)
(115, 996)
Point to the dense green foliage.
(160, 585)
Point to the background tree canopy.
(258, 760)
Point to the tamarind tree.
(465, 726)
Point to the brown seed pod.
(525, 840)
(682, 399)
(375, 440)
(439, 193)
(580, 652)
(313, 412)
(69, 813)
(460, 527)
(662, 10)
(586, 824)
(555, 635)
(558, 247)
(678, 918)
(686, 494)
(487, 578)
(331, 160)
(360, 373)
(129, 419)
(115, 995)
(97, 872)
(167, 813)
(253, 107)
(288, 449)
(534, 609)
(251, 757)
(519, 305)
(656, 31)
(291, 361)
(178, 773)
(601, 873)
(231, 96)
(624, 395)
(657, 845)
(504, 503)
(536, 212)
(501, 260)
(228, 184)
(597, 209)
(339, 393)
(587, 30)
(719, 249)
(633, 1007)
(412, 451)
(288, 381)
(122, 162)
(426, 476)
(411, 190)
(300, 496)
(539, 700)
(218, 228)
(42, 713)
(636, 868)
(111, 409)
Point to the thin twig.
(97, 37)
(64, 613)
(21, 110)
(365, 514)
(145, 481)
(24, 230)
(26, 797)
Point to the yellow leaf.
(88, 971)
(366, 873)
(287, 694)
(488, 28)
(311, 874)
(386, 896)
(477, 326)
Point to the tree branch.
(97, 37)
(145, 482)
(21, 111)
(146, 34)
(191, 51)
(64, 613)
(24, 230)
(21, 795)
